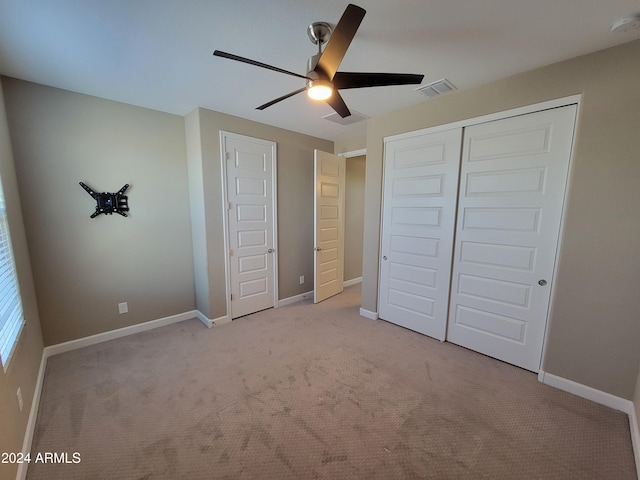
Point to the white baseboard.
(204, 319)
(368, 314)
(353, 281)
(33, 415)
(603, 398)
(598, 396)
(118, 333)
(304, 296)
(294, 299)
(221, 321)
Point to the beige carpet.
(314, 391)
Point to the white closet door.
(512, 186)
(420, 191)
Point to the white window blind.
(11, 317)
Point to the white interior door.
(250, 190)
(420, 192)
(512, 186)
(328, 225)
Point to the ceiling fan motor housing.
(312, 63)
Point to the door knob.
(384, 258)
(542, 282)
(270, 250)
(316, 249)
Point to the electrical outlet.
(123, 307)
(19, 395)
(301, 279)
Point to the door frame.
(353, 153)
(225, 213)
(514, 112)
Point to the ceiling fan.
(322, 79)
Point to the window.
(11, 317)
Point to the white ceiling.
(158, 53)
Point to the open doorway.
(354, 219)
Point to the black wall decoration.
(109, 203)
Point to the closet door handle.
(316, 249)
(384, 257)
(542, 282)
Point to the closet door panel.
(512, 185)
(419, 207)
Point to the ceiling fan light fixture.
(319, 89)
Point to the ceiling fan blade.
(337, 103)
(231, 56)
(340, 40)
(279, 99)
(343, 80)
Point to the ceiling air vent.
(436, 88)
(353, 118)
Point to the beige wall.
(354, 217)
(84, 267)
(594, 328)
(198, 218)
(295, 201)
(350, 143)
(23, 368)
